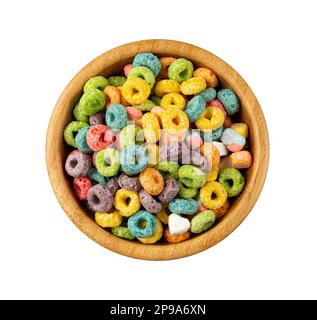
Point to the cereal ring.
(233, 140)
(149, 203)
(180, 70)
(173, 100)
(208, 94)
(116, 117)
(165, 63)
(216, 103)
(232, 180)
(220, 212)
(187, 192)
(171, 151)
(202, 221)
(127, 202)
(98, 82)
(193, 86)
(195, 107)
(136, 90)
(213, 195)
(71, 130)
(99, 198)
(156, 236)
(170, 191)
(176, 238)
(167, 86)
(134, 114)
(148, 60)
(108, 162)
(191, 176)
(112, 94)
(229, 100)
(151, 127)
(240, 160)
(96, 177)
(152, 181)
(129, 183)
(156, 100)
(127, 68)
(81, 142)
(169, 169)
(183, 206)
(81, 186)
(78, 164)
(97, 118)
(108, 220)
(158, 111)
(147, 105)
(211, 119)
(134, 224)
(99, 137)
(143, 73)
(79, 115)
(123, 101)
(241, 128)
(131, 135)
(152, 154)
(123, 232)
(117, 81)
(92, 101)
(208, 75)
(199, 161)
(163, 215)
(133, 159)
(174, 120)
(113, 185)
(212, 155)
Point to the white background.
(271, 44)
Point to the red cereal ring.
(81, 187)
(99, 137)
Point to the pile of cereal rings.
(155, 154)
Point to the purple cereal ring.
(149, 203)
(129, 183)
(97, 118)
(99, 198)
(78, 164)
(171, 151)
(200, 162)
(112, 185)
(170, 191)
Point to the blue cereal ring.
(195, 107)
(133, 159)
(229, 100)
(229, 136)
(116, 117)
(135, 221)
(148, 60)
(208, 94)
(212, 136)
(183, 206)
(96, 177)
(81, 142)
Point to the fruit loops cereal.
(157, 152)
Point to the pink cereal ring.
(87, 154)
(99, 137)
(81, 187)
(127, 68)
(218, 104)
(234, 147)
(201, 208)
(134, 113)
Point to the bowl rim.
(238, 212)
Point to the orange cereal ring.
(212, 155)
(220, 212)
(123, 100)
(176, 238)
(165, 63)
(208, 75)
(113, 95)
(152, 181)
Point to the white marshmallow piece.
(223, 151)
(177, 224)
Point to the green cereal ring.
(156, 100)
(143, 73)
(92, 101)
(191, 176)
(131, 135)
(117, 81)
(123, 232)
(186, 192)
(98, 82)
(232, 180)
(79, 115)
(108, 162)
(169, 169)
(71, 131)
(147, 105)
(180, 70)
(202, 221)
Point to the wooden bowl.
(111, 63)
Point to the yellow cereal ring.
(136, 90)
(151, 127)
(208, 75)
(211, 119)
(156, 236)
(163, 215)
(152, 181)
(176, 238)
(174, 120)
(167, 86)
(213, 156)
(123, 101)
(153, 154)
(173, 100)
(127, 202)
(113, 95)
(108, 220)
(193, 85)
(207, 193)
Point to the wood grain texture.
(110, 63)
